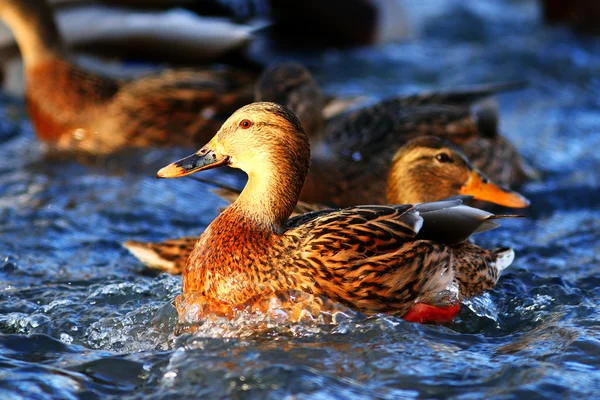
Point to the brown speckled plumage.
(372, 258)
(75, 110)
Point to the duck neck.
(409, 185)
(402, 188)
(271, 193)
(35, 31)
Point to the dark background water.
(80, 318)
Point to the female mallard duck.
(366, 139)
(466, 118)
(412, 261)
(73, 109)
(425, 169)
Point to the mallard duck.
(74, 109)
(466, 118)
(425, 169)
(411, 261)
(353, 153)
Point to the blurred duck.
(425, 169)
(144, 30)
(369, 137)
(411, 261)
(73, 109)
(465, 118)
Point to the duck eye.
(245, 124)
(443, 158)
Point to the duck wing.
(356, 231)
(447, 221)
(372, 256)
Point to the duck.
(413, 261)
(164, 32)
(425, 169)
(354, 146)
(467, 118)
(73, 109)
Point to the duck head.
(266, 141)
(293, 85)
(429, 169)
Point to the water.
(80, 318)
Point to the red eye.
(245, 124)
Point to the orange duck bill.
(205, 158)
(481, 188)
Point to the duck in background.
(412, 261)
(77, 110)
(160, 31)
(467, 118)
(426, 169)
(358, 146)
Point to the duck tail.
(169, 256)
(504, 258)
(476, 93)
(477, 269)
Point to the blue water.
(80, 318)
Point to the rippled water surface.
(79, 317)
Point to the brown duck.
(423, 170)
(412, 261)
(74, 109)
(367, 139)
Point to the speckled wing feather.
(386, 258)
(447, 221)
(371, 228)
(366, 256)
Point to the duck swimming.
(411, 261)
(366, 139)
(76, 110)
(425, 169)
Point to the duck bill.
(205, 158)
(481, 188)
